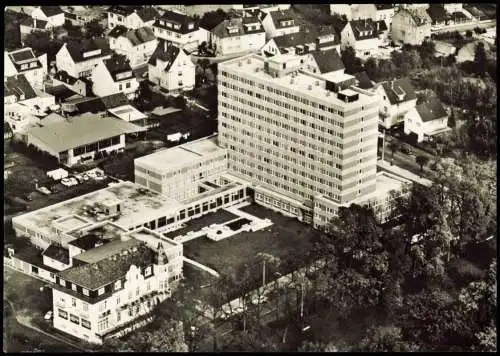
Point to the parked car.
(407, 150)
(66, 182)
(44, 190)
(259, 299)
(48, 315)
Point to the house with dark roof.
(79, 139)
(426, 120)
(279, 23)
(411, 25)
(51, 14)
(237, 35)
(324, 62)
(113, 288)
(24, 61)
(81, 86)
(363, 36)
(113, 76)
(179, 29)
(171, 68)
(438, 14)
(131, 16)
(309, 39)
(397, 97)
(137, 45)
(78, 58)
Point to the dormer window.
(147, 271)
(24, 66)
(169, 24)
(100, 291)
(62, 282)
(162, 23)
(85, 292)
(33, 64)
(191, 26)
(118, 285)
(176, 26)
(73, 286)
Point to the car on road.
(407, 150)
(48, 315)
(44, 190)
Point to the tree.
(422, 161)
(394, 146)
(385, 339)
(468, 33)
(371, 68)
(480, 58)
(213, 18)
(352, 63)
(94, 29)
(451, 120)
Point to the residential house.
(132, 17)
(137, 45)
(279, 23)
(171, 68)
(397, 97)
(426, 120)
(78, 59)
(354, 11)
(24, 61)
(113, 76)
(385, 12)
(82, 86)
(362, 36)
(56, 257)
(411, 26)
(237, 35)
(79, 139)
(324, 63)
(29, 25)
(62, 93)
(18, 90)
(80, 15)
(52, 14)
(114, 288)
(179, 29)
(309, 39)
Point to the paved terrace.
(137, 207)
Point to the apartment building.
(296, 136)
(411, 26)
(137, 45)
(177, 172)
(237, 35)
(114, 285)
(132, 17)
(179, 29)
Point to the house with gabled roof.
(171, 68)
(279, 23)
(363, 36)
(397, 97)
(24, 61)
(51, 14)
(324, 62)
(112, 76)
(385, 12)
(78, 58)
(411, 26)
(426, 120)
(137, 45)
(179, 29)
(131, 17)
(237, 35)
(17, 89)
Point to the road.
(465, 26)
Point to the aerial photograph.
(250, 178)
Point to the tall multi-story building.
(306, 143)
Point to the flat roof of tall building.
(137, 206)
(182, 154)
(252, 66)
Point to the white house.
(21, 101)
(171, 68)
(180, 29)
(78, 59)
(29, 25)
(237, 35)
(385, 12)
(113, 76)
(132, 17)
(397, 97)
(411, 26)
(279, 23)
(113, 288)
(81, 86)
(56, 257)
(324, 62)
(52, 14)
(426, 119)
(362, 36)
(24, 61)
(137, 45)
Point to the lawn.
(31, 304)
(286, 238)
